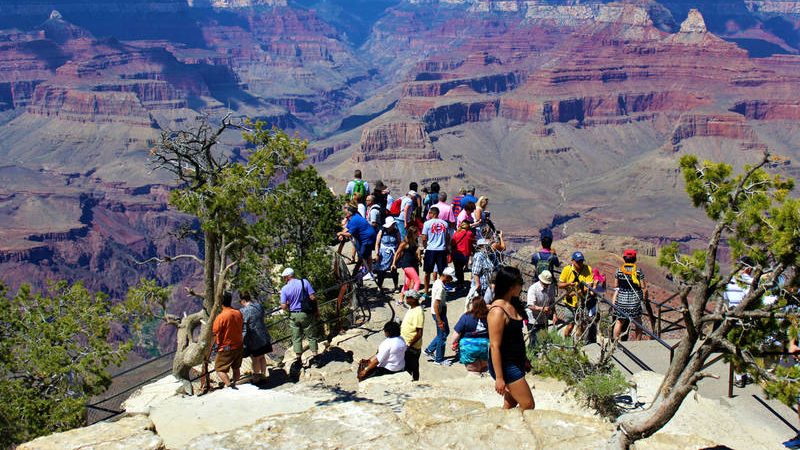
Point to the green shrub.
(594, 384)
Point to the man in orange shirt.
(228, 332)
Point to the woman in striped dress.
(630, 293)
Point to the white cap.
(287, 272)
(388, 222)
(449, 272)
(546, 277)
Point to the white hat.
(449, 272)
(483, 241)
(388, 222)
(546, 277)
(287, 272)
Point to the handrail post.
(658, 327)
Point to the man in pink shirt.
(446, 211)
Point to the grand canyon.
(567, 114)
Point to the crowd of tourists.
(497, 328)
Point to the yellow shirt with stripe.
(568, 275)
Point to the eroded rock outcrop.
(395, 140)
(136, 431)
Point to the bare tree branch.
(168, 259)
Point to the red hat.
(629, 253)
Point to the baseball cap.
(578, 256)
(287, 272)
(449, 272)
(629, 253)
(546, 277)
(411, 293)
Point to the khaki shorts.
(226, 360)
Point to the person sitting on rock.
(391, 355)
(471, 338)
(411, 332)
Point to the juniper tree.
(55, 351)
(755, 216)
(240, 206)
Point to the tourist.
(435, 239)
(431, 197)
(416, 214)
(374, 213)
(391, 356)
(575, 278)
(540, 305)
(357, 186)
(508, 361)
(480, 216)
(228, 329)
(386, 245)
(357, 201)
(793, 350)
(380, 195)
(466, 214)
(255, 336)
(435, 350)
(630, 293)
(302, 321)
(411, 331)
(470, 197)
(405, 218)
(735, 290)
(457, 203)
(407, 258)
(364, 234)
(446, 212)
(471, 338)
(546, 258)
(482, 271)
(461, 249)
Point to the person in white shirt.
(541, 305)
(391, 356)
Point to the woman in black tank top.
(507, 356)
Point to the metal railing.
(109, 406)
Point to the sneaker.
(793, 442)
(429, 355)
(444, 362)
(368, 277)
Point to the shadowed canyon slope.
(566, 114)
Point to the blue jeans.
(401, 227)
(438, 343)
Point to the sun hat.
(546, 277)
(287, 272)
(449, 272)
(388, 222)
(578, 256)
(411, 293)
(483, 241)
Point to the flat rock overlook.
(329, 409)
(566, 115)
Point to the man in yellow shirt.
(571, 277)
(411, 332)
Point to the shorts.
(364, 249)
(258, 352)
(435, 261)
(511, 372)
(228, 359)
(565, 313)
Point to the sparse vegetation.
(596, 383)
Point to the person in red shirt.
(228, 334)
(461, 249)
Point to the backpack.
(360, 188)
(380, 214)
(394, 209)
(542, 261)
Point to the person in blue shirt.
(363, 235)
(470, 197)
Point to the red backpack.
(394, 209)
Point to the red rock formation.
(82, 106)
(730, 126)
(395, 140)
